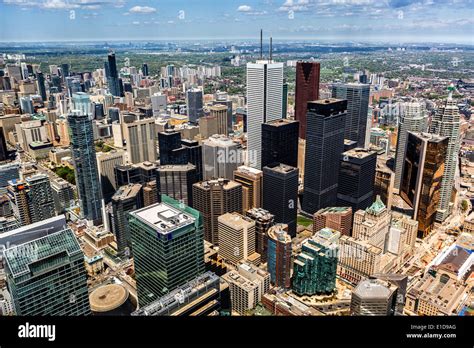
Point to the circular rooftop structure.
(108, 298)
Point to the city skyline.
(323, 20)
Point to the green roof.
(377, 207)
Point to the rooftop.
(128, 191)
(359, 153)
(236, 221)
(372, 288)
(108, 297)
(163, 217)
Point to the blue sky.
(337, 20)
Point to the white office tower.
(264, 103)
(413, 118)
(221, 156)
(446, 123)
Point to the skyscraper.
(251, 181)
(47, 276)
(447, 123)
(280, 142)
(423, 172)
(306, 90)
(140, 138)
(279, 256)
(324, 145)
(284, 100)
(168, 248)
(85, 166)
(373, 297)
(194, 104)
(237, 239)
(356, 179)
(221, 157)
(314, 269)
(63, 195)
(111, 73)
(263, 221)
(264, 103)
(3, 146)
(280, 194)
(41, 197)
(176, 181)
(127, 199)
(337, 218)
(413, 118)
(214, 198)
(357, 96)
(41, 86)
(220, 112)
(107, 161)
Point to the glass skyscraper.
(168, 248)
(85, 166)
(47, 276)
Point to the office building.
(127, 199)
(141, 173)
(384, 183)
(357, 96)
(372, 224)
(168, 248)
(63, 195)
(41, 86)
(279, 256)
(85, 166)
(412, 118)
(263, 221)
(374, 297)
(200, 296)
(284, 100)
(176, 181)
(247, 285)
(214, 198)
(356, 179)
(280, 194)
(140, 138)
(111, 72)
(446, 123)
(251, 180)
(324, 145)
(306, 90)
(3, 146)
(221, 157)
(336, 218)
(237, 239)
(219, 112)
(421, 186)
(280, 142)
(47, 276)
(150, 193)
(264, 103)
(314, 269)
(107, 161)
(194, 104)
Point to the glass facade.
(167, 253)
(47, 276)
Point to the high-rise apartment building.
(47, 276)
(336, 218)
(264, 103)
(356, 179)
(306, 90)
(279, 256)
(251, 180)
(423, 172)
(280, 194)
(41, 197)
(446, 123)
(168, 248)
(237, 239)
(85, 166)
(314, 269)
(413, 118)
(214, 198)
(280, 142)
(357, 96)
(324, 145)
(63, 195)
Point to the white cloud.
(244, 8)
(142, 9)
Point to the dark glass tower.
(280, 142)
(280, 194)
(112, 75)
(356, 179)
(41, 86)
(324, 145)
(306, 90)
(85, 166)
(145, 69)
(3, 146)
(357, 96)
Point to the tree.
(464, 205)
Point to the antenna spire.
(271, 48)
(261, 44)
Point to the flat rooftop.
(236, 221)
(280, 122)
(359, 153)
(163, 217)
